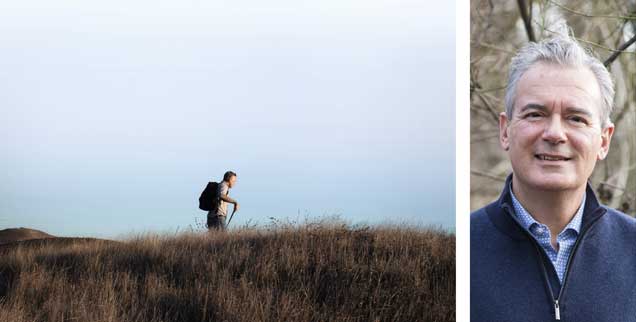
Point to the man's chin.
(553, 182)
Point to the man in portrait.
(547, 249)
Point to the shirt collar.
(527, 220)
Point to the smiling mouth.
(545, 157)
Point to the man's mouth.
(551, 157)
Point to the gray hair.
(562, 50)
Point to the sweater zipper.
(557, 309)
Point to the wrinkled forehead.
(548, 84)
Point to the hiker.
(218, 214)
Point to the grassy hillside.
(309, 273)
(18, 234)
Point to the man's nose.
(554, 131)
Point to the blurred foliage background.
(498, 29)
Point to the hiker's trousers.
(216, 222)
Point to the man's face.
(232, 181)
(555, 137)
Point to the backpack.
(208, 200)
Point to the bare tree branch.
(498, 88)
(530, 12)
(489, 107)
(597, 44)
(490, 46)
(622, 113)
(588, 15)
(527, 20)
(487, 175)
(485, 137)
(610, 185)
(621, 49)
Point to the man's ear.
(503, 131)
(606, 138)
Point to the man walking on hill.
(216, 217)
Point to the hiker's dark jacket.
(512, 279)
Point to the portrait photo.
(552, 161)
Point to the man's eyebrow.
(533, 106)
(578, 110)
(571, 109)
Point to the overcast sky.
(115, 114)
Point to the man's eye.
(578, 119)
(533, 115)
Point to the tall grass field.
(302, 273)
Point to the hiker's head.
(230, 178)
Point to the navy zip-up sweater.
(512, 279)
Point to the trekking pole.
(230, 220)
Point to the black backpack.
(209, 197)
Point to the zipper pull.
(557, 311)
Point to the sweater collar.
(527, 221)
(501, 211)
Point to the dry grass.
(306, 273)
(18, 234)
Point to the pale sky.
(115, 114)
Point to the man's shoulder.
(478, 213)
(483, 211)
(620, 219)
(479, 218)
(223, 187)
